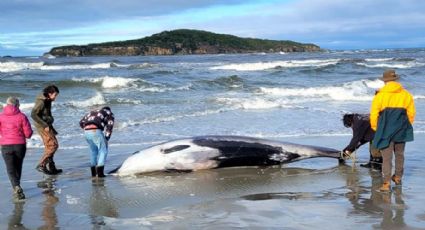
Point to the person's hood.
(10, 110)
(391, 87)
(41, 97)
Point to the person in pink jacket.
(14, 129)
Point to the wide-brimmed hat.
(389, 75)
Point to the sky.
(33, 27)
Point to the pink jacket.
(14, 126)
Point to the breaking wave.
(13, 66)
(277, 64)
(108, 82)
(137, 84)
(351, 91)
(253, 103)
(98, 99)
(398, 63)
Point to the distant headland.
(182, 42)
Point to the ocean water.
(297, 97)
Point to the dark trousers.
(13, 156)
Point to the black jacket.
(362, 132)
(103, 119)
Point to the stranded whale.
(207, 152)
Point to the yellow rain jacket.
(392, 115)
(392, 95)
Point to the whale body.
(207, 152)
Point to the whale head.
(176, 155)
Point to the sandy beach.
(301, 195)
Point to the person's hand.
(47, 129)
(345, 154)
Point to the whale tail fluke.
(114, 170)
(328, 152)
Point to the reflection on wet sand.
(366, 200)
(393, 215)
(101, 203)
(15, 220)
(48, 214)
(378, 203)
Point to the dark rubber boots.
(97, 171)
(374, 163)
(49, 168)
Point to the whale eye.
(175, 148)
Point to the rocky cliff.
(184, 42)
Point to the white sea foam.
(276, 64)
(154, 89)
(133, 66)
(23, 106)
(35, 141)
(129, 101)
(396, 65)
(375, 84)
(79, 66)
(378, 59)
(253, 103)
(352, 91)
(159, 88)
(110, 82)
(11, 66)
(98, 99)
(26, 106)
(113, 82)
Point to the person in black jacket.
(362, 133)
(98, 125)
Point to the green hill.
(184, 41)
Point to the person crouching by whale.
(43, 121)
(98, 125)
(14, 129)
(362, 133)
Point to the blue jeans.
(98, 146)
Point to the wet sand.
(311, 194)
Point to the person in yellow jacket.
(391, 116)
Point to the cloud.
(39, 15)
(42, 24)
(336, 24)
